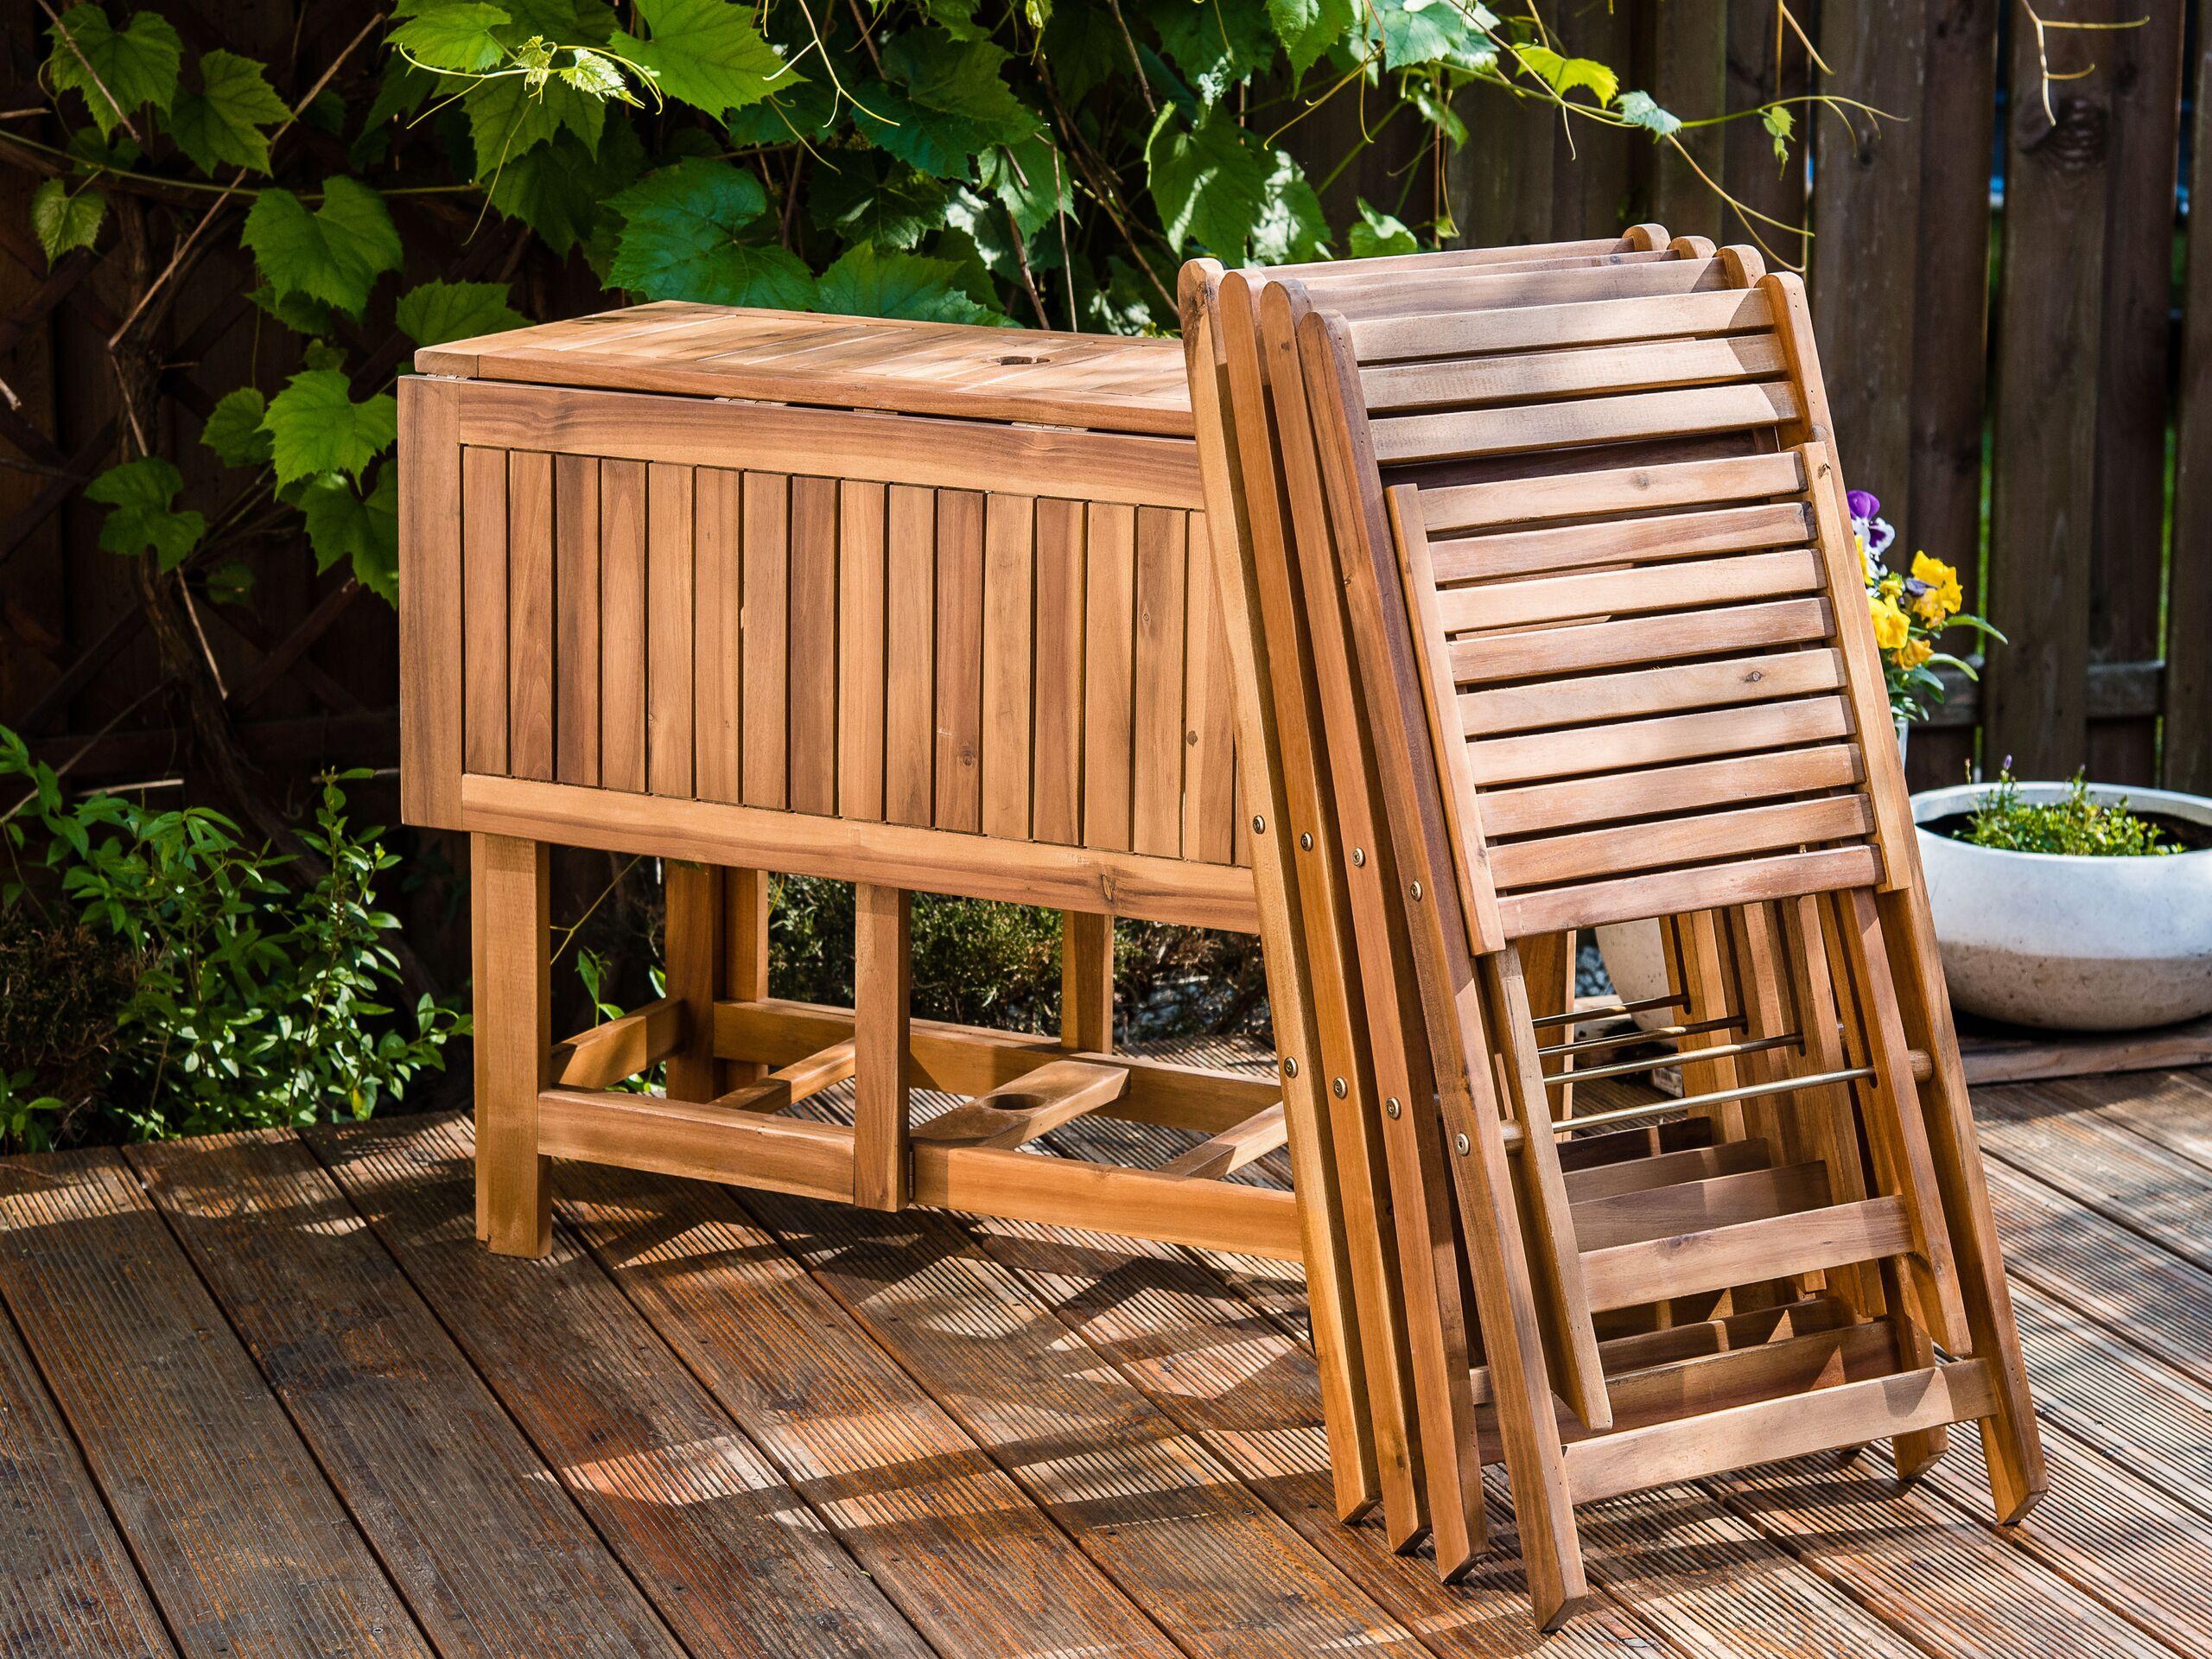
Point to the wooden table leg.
(693, 953)
(882, 981)
(512, 914)
(1087, 983)
(745, 957)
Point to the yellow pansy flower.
(1891, 630)
(1943, 598)
(1912, 653)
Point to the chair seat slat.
(1581, 855)
(1617, 795)
(1654, 587)
(1517, 376)
(1558, 652)
(1631, 416)
(1666, 535)
(1767, 677)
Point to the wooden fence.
(2014, 375)
(2005, 376)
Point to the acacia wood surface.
(695, 1508)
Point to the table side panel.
(1005, 641)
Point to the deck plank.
(1161, 1515)
(1673, 1567)
(911, 1494)
(246, 1549)
(734, 1561)
(68, 1588)
(491, 1554)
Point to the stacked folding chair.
(1555, 605)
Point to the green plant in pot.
(2070, 906)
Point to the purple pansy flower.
(1864, 503)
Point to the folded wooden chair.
(1614, 656)
(1373, 1041)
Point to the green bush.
(163, 977)
(2076, 826)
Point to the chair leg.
(882, 985)
(2011, 1443)
(512, 946)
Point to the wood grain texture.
(624, 662)
(484, 600)
(530, 602)
(1010, 667)
(491, 1554)
(1157, 692)
(431, 619)
(576, 630)
(814, 664)
(860, 625)
(71, 1588)
(1056, 804)
(1109, 606)
(922, 1507)
(717, 641)
(910, 652)
(171, 1413)
(728, 1554)
(671, 596)
(957, 803)
(765, 681)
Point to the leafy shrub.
(175, 981)
(993, 964)
(2076, 826)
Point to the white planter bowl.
(2071, 944)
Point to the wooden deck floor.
(265, 1395)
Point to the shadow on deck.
(266, 1395)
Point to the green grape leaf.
(1084, 45)
(130, 68)
(315, 426)
(927, 140)
(400, 92)
(1031, 181)
(1430, 31)
(1291, 227)
(559, 190)
(1210, 184)
(295, 311)
(436, 312)
(865, 282)
(358, 529)
(233, 428)
(1309, 28)
(1780, 125)
(333, 254)
(679, 240)
(508, 118)
(706, 53)
(960, 79)
(457, 37)
(1378, 232)
(65, 219)
(1564, 74)
(140, 495)
(1641, 109)
(1217, 43)
(854, 195)
(223, 121)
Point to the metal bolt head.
(1259, 825)
(1461, 1145)
(1289, 1065)
(1336, 1086)
(1306, 842)
(1358, 856)
(1392, 1107)
(1415, 890)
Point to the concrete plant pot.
(2071, 944)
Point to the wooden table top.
(1110, 383)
